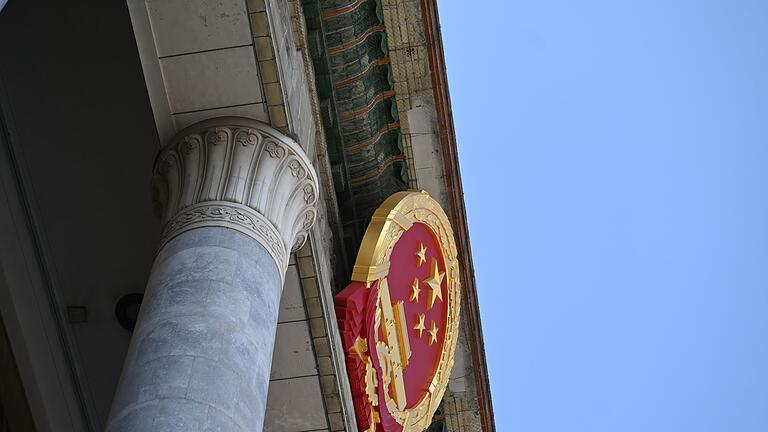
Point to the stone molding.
(241, 174)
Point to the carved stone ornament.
(241, 174)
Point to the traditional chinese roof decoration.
(348, 43)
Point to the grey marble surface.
(201, 352)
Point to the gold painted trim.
(342, 10)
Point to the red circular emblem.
(399, 316)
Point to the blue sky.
(615, 165)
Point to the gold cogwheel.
(371, 383)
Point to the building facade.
(184, 187)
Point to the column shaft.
(201, 353)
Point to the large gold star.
(420, 325)
(415, 290)
(433, 333)
(359, 348)
(434, 282)
(421, 254)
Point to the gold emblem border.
(395, 216)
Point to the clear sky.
(615, 165)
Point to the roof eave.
(459, 214)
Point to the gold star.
(415, 290)
(434, 282)
(359, 348)
(421, 254)
(433, 333)
(420, 326)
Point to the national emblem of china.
(399, 317)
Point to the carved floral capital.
(241, 174)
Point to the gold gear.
(371, 383)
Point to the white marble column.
(236, 196)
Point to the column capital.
(237, 173)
